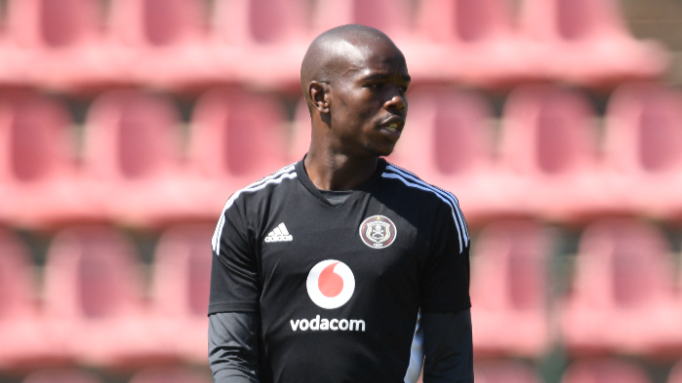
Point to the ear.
(319, 94)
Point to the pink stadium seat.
(585, 41)
(62, 43)
(604, 371)
(38, 173)
(168, 40)
(249, 33)
(389, 16)
(676, 374)
(508, 290)
(448, 142)
(236, 138)
(504, 372)
(93, 293)
(169, 375)
(477, 40)
(622, 298)
(644, 148)
(132, 145)
(61, 376)
(182, 273)
(549, 142)
(25, 342)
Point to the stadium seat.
(249, 33)
(38, 172)
(62, 43)
(549, 142)
(622, 297)
(508, 290)
(676, 373)
(175, 374)
(604, 371)
(644, 147)
(133, 159)
(237, 138)
(504, 372)
(389, 16)
(586, 42)
(478, 41)
(63, 375)
(448, 142)
(25, 342)
(182, 273)
(167, 40)
(93, 297)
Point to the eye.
(377, 85)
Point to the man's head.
(354, 80)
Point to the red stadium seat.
(477, 40)
(169, 375)
(249, 33)
(61, 376)
(62, 43)
(132, 145)
(236, 138)
(38, 173)
(300, 141)
(585, 41)
(622, 297)
(604, 371)
(676, 374)
(168, 40)
(644, 147)
(182, 273)
(93, 293)
(508, 290)
(504, 372)
(549, 142)
(24, 339)
(448, 142)
(389, 16)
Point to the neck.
(336, 171)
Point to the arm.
(448, 347)
(233, 347)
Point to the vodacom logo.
(330, 284)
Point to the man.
(320, 269)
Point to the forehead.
(366, 57)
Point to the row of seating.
(78, 44)
(580, 371)
(93, 309)
(134, 168)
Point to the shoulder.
(432, 198)
(261, 189)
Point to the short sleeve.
(445, 278)
(235, 283)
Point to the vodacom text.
(324, 324)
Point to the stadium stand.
(604, 371)
(622, 298)
(134, 161)
(643, 149)
(509, 290)
(61, 44)
(236, 138)
(182, 271)
(25, 342)
(38, 171)
(676, 373)
(64, 375)
(94, 300)
(585, 42)
(169, 375)
(549, 141)
(504, 372)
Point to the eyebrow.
(383, 76)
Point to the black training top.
(338, 288)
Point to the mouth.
(393, 124)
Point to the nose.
(396, 102)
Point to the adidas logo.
(279, 234)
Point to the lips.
(393, 124)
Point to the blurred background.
(126, 124)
